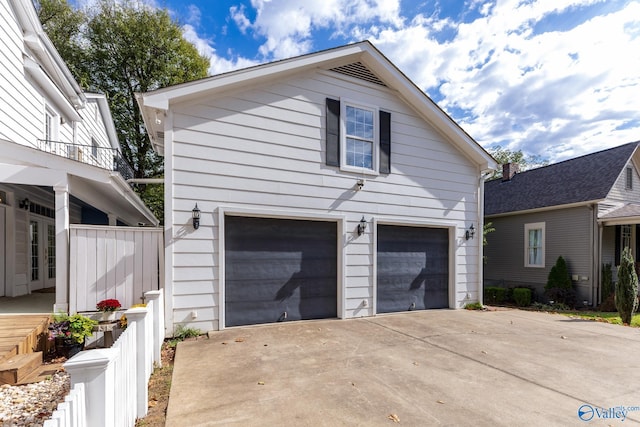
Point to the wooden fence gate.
(113, 262)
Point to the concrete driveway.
(443, 367)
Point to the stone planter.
(107, 316)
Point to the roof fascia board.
(161, 98)
(107, 118)
(58, 98)
(545, 209)
(38, 41)
(415, 97)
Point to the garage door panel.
(413, 268)
(275, 266)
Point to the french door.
(42, 253)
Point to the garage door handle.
(282, 317)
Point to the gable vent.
(160, 135)
(359, 71)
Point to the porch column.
(113, 219)
(62, 247)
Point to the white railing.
(112, 383)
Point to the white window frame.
(375, 152)
(628, 184)
(534, 226)
(50, 128)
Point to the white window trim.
(534, 226)
(55, 120)
(375, 162)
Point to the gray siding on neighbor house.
(620, 192)
(568, 233)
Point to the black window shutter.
(333, 132)
(617, 252)
(385, 142)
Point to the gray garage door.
(279, 270)
(413, 268)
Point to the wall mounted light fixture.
(24, 204)
(360, 184)
(362, 226)
(195, 215)
(470, 232)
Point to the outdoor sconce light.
(470, 232)
(362, 226)
(360, 184)
(24, 204)
(195, 214)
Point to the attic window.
(629, 179)
(359, 71)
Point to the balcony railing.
(102, 157)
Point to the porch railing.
(102, 157)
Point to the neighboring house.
(329, 186)
(60, 161)
(584, 209)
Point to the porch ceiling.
(102, 189)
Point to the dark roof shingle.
(582, 179)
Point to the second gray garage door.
(277, 269)
(413, 268)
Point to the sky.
(554, 78)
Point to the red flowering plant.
(108, 305)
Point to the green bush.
(607, 281)
(495, 295)
(473, 306)
(522, 297)
(559, 287)
(627, 287)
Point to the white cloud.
(288, 25)
(218, 64)
(558, 94)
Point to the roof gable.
(583, 179)
(360, 60)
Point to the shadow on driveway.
(438, 367)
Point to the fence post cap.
(93, 359)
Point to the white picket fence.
(113, 262)
(110, 385)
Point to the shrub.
(495, 295)
(473, 306)
(559, 287)
(522, 297)
(627, 287)
(607, 281)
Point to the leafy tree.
(627, 287)
(132, 48)
(63, 25)
(119, 48)
(504, 155)
(486, 229)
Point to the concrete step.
(16, 368)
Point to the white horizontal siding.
(263, 149)
(619, 191)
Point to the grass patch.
(609, 317)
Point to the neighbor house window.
(534, 238)
(360, 140)
(629, 180)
